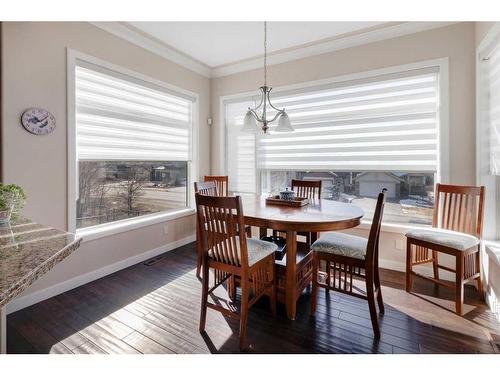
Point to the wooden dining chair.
(457, 231)
(205, 188)
(310, 189)
(228, 251)
(222, 183)
(307, 188)
(213, 186)
(349, 257)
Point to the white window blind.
(119, 117)
(382, 123)
(386, 123)
(241, 167)
(493, 111)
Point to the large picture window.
(488, 133)
(357, 136)
(133, 146)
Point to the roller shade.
(493, 113)
(241, 167)
(386, 123)
(122, 118)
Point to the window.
(133, 146)
(488, 134)
(358, 136)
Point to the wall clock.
(38, 121)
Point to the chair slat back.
(221, 224)
(206, 188)
(374, 236)
(222, 183)
(459, 208)
(307, 188)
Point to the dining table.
(294, 271)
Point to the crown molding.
(142, 40)
(335, 44)
(376, 34)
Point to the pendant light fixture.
(252, 116)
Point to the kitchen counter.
(27, 251)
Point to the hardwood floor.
(155, 309)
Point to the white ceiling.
(220, 43)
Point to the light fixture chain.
(265, 53)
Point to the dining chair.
(205, 188)
(457, 226)
(228, 252)
(222, 183)
(307, 188)
(351, 257)
(310, 189)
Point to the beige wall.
(482, 28)
(34, 74)
(457, 42)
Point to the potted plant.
(12, 198)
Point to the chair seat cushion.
(257, 249)
(448, 238)
(341, 244)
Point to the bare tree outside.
(117, 190)
(129, 190)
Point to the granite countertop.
(27, 251)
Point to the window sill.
(109, 229)
(392, 228)
(493, 250)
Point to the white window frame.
(443, 172)
(491, 231)
(107, 229)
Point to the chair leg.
(370, 293)
(314, 291)
(435, 267)
(199, 252)
(380, 300)
(480, 278)
(328, 269)
(198, 267)
(244, 311)
(273, 290)
(459, 284)
(204, 299)
(409, 277)
(231, 287)
(248, 230)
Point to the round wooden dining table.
(294, 272)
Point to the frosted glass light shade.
(284, 124)
(249, 123)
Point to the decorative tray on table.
(296, 202)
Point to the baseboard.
(38, 296)
(493, 303)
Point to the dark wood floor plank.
(155, 309)
(145, 345)
(89, 348)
